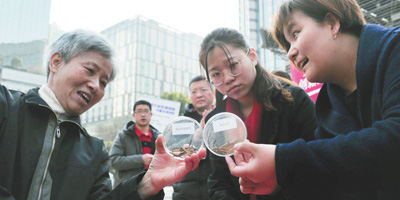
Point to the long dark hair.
(266, 88)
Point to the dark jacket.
(38, 152)
(194, 185)
(362, 158)
(126, 152)
(191, 112)
(295, 120)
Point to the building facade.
(21, 80)
(154, 59)
(24, 20)
(32, 55)
(254, 17)
(24, 33)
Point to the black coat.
(295, 120)
(357, 155)
(191, 112)
(35, 146)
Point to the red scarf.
(252, 122)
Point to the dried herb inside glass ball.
(183, 151)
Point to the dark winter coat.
(295, 120)
(191, 112)
(362, 158)
(40, 154)
(127, 151)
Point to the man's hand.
(147, 159)
(203, 119)
(165, 170)
(255, 165)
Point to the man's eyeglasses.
(235, 69)
(142, 112)
(202, 91)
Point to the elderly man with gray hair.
(45, 153)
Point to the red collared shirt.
(145, 139)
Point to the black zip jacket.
(42, 157)
(191, 112)
(292, 120)
(127, 151)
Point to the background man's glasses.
(142, 112)
(202, 91)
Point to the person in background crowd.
(272, 110)
(45, 153)
(133, 148)
(285, 77)
(194, 185)
(282, 74)
(357, 152)
(202, 96)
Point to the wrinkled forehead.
(198, 84)
(107, 63)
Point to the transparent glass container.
(182, 137)
(222, 132)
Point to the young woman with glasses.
(273, 111)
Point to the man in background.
(282, 74)
(194, 185)
(202, 96)
(133, 147)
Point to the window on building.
(169, 75)
(157, 88)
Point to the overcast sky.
(196, 16)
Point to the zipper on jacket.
(56, 133)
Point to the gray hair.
(77, 42)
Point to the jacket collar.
(332, 113)
(369, 46)
(329, 107)
(32, 97)
(189, 109)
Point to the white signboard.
(163, 111)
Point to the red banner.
(298, 77)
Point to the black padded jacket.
(42, 157)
